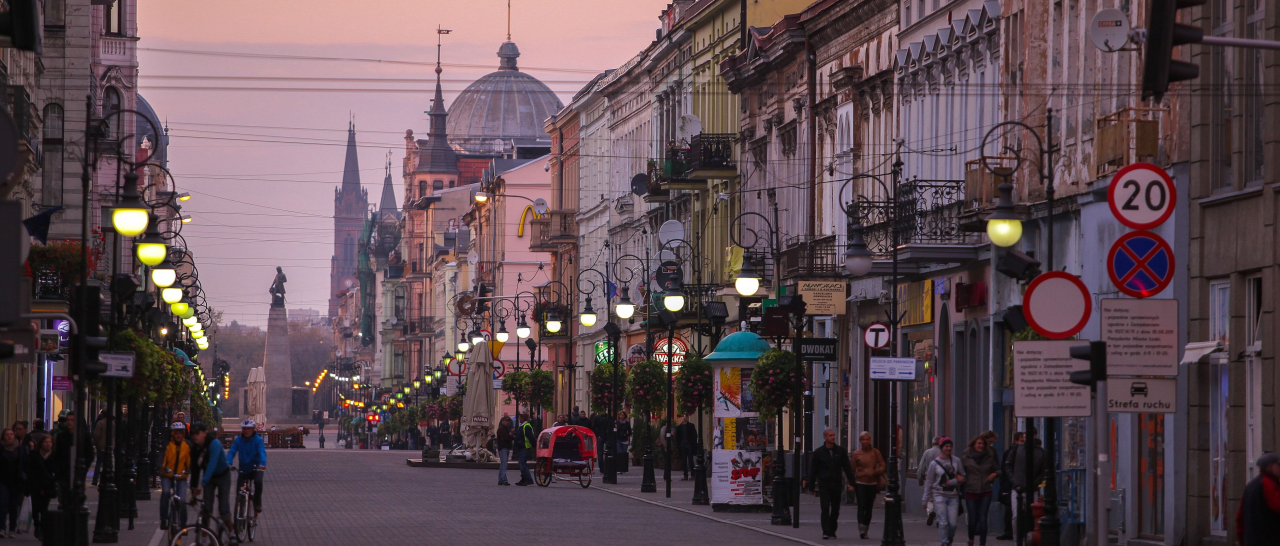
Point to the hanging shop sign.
(823, 297)
(673, 348)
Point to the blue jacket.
(217, 462)
(252, 450)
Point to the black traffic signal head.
(1096, 353)
(1163, 34)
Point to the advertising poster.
(733, 392)
(737, 477)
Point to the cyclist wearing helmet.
(253, 459)
(174, 473)
(215, 479)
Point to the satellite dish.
(640, 184)
(671, 230)
(540, 206)
(472, 257)
(689, 126)
(394, 320)
(1109, 30)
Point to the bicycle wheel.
(253, 527)
(175, 508)
(195, 536)
(241, 516)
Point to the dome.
(507, 105)
(144, 131)
(739, 346)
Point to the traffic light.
(1163, 34)
(22, 25)
(1096, 353)
(88, 342)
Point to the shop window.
(1151, 474)
(1218, 454)
(1253, 373)
(921, 418)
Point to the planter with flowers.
(773, 382)
(694, 385)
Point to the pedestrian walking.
(321, 440)
(624, 440)
(687, 439)
(40, 481)
(505, 439)
(829, 466)
(921, 469)
(175, 471)
(72, 431)
(13, 481)
(24, 437)
(1015, 468)
(99, 443)
(525, 442)
(868, 479)
(980, 470)
(1006, 487)
(942, 482)
(1258, 518)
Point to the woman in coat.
(40, 480)
(981, 469)
(868, 473)
(503, 442)
(13, 481)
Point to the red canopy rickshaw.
(565, 453)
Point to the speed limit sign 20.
(1142, 196)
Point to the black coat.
(41, 479)
(1257, 524)
(624, 430)
(1015, 464)
(13, 467)
(686, 436)
(827, 467)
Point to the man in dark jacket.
(1006, 485)
(72, 428)
(687, 440)
(1258, 519)
(829, 465)
(1015, 468)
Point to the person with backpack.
(942, 483)
(174, 473)
(524, 442)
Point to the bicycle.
(202, 534)
(175, 508)
(246, 526)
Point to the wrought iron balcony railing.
(928, 212)
(817, 258)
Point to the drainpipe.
(742, 26)
(812, 60)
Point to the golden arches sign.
(528, 209)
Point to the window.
(1220, 311)
(1219, 320)
(437, 185)
(1151, 475)
(51, 184)
(111, 104)
(1223, 79)
(1254, 101)
(113, 18)
(422, 188)
(920, 401)
(1253, 373)
(55, 13)
(1253, 313)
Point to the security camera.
(547, 167)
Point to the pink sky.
(262, 165)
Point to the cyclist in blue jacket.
(215, 480)
(253, 460)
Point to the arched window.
(349, 252)
(111, 102)
(422, 188)
(437, 185)
(51, 186)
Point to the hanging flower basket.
(602, 388)
(647, 387)
(694, 385)
(773, 382)
(541, 389)
(516, 385)
(542, 308)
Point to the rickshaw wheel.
(542, 473)
(585, 484)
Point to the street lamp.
(462, 347)
(588, 316)
(476, 338)
(190, 321)
(673, 299)
(164, 274)
(171, 294)
(130, 216)
(481, 197)
(1004, 226)
(553, 322)
(181, 307)
(152, 250)
(747, 281)
(522, 328)
(503, 335)
(857, 258)
(625, 309)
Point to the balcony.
(709, 156)
(819, 258)
(981, 191)
(118, 50)
(486, 272)
(1126, 136)
(564, 227)
(540, 235)
(395, 271)
(928, 223)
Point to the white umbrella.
(257, 403)
(477, 405)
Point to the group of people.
(865, 470)
(970, 477)
(31, 465)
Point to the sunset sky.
(262, 164)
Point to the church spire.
(351, 169)
(437, 112)
(388, 203)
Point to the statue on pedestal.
(277, 288)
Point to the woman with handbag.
(869, 478)
(13, 478)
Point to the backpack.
(948, 474)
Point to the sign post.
(1141, 336)
(888, 368)
(1057, 305)
(1041, 384)
(818, 349)
(876, 336)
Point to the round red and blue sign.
(1140, 264)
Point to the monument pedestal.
(277, 366)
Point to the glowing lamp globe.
(180, 308)
(171, 294)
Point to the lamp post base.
(701, 497)
(648, 484)
(607, 465)
(106, 528)
(781, 493)
(893, 533)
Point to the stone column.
(278, 367)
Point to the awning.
(1196, 350)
